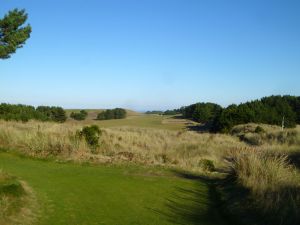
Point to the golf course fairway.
(69, 193)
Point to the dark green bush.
(259, 130)
(207, 165)
(109, 114)
(79, 116)
(91, 135)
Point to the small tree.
(12, 32)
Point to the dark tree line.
(154, 112)
(268, 110)
(81, 115)
(108, 114)
(26, 112)
(171, 112)
(166, 113)
(201, 112)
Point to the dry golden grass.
(263, 173)
(183, 149)
(270, 135)
(274, 184)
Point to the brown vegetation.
(18, 204)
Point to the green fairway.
(144, 121)
(140, 120)
(75, 194)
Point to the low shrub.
(207, 165)
(259, 130)
(91, 135)
(79, 116)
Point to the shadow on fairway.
(194, 206)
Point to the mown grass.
(75, 194)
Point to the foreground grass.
(76, 194)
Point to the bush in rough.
(91, 135)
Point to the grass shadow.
(294, 159)
(200, 128)
(198, 205)
(240, 207)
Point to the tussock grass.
(269, 135)
(274, 184)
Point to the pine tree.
(13, 33)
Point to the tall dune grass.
(274, 184)
(183, 149)
(268, 135)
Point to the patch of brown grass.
(18, 204)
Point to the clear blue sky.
(153, 54)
